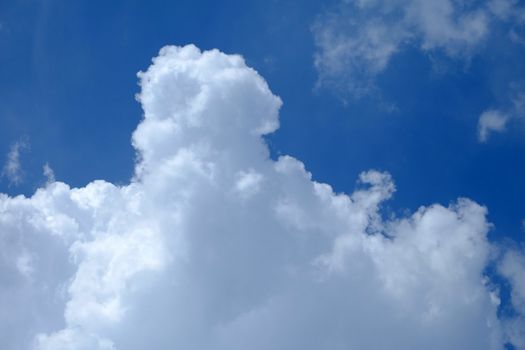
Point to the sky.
(262, 174)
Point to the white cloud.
(13, 168)
(512, 267)
(213, 245)
(356, 41)
(48, 173)
(491, 121)
(68, 339)
(496, 120)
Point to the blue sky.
(68, 80)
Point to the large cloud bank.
(214, 245)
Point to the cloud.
(13, 168)
(496, 120)
(512, 267)
(48, 173)
(356, 41)
(350, 62)
(502, 8)
(491, 121)
(507, 9)
(214, 245)
(518, 100)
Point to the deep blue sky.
(68, 79)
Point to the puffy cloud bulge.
(215, 245)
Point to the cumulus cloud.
(491, 121)
(12, 169)
(214, 245)
(356, 41)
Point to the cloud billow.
(214, 245)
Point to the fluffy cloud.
(356, 41)
(214, 245)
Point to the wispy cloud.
(356, 40)
(496, 120)
(12, 169)
(491, 121)
(48, 173)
